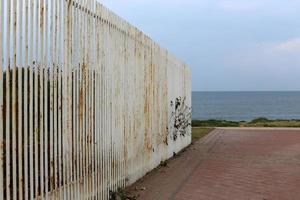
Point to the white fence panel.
(88, 103)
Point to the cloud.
(271, 7)
(240, 5)
(167, 4)
(291, 45)
(269, 58)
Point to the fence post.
(1, 100)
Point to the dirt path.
(230, 164)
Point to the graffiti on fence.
(180, 120)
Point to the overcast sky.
(229, 44)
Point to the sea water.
(245, 106)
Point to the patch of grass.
(259, 122)
(274, 123)
(120, 194)
(214, 123)
(163, 163)
(198, 133)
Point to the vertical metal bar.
(2, 28)
(55, 96)
(108, 90)
(72, 112)
(122, 56)
(101, 103)
(80, 99)
(59, 96)
(83, 102)
(116, 103)
(113, 103)
(123, 102)
(78, 92)
(104, 76)
(52, 81)
(84, 85)
(93, 155)
(26, 116)
(51, 96)
(121, 61)
(64, 96)
(103, 117)
(82, 94)
(97, 113)
(78, 110)
(46, 96)
(14, 100)
(122, 42)
(70, 95)
(93, 52)
(41, 66)
(103, 107)
(67, 88)
(36, 98)
(31, 103)
(92, 95)
(74, 179)
(88, 136)
(87, 113)
(97, 108)
(78, 114)
(106, 150)
(112, 82)
(56, 104)
(20, 65)
(119, 123)
(8, 101)
(109, 106)
(101, 61)
(97, 131)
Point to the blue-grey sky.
(229, 44)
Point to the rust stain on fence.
(88, 103)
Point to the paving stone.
(232, 164)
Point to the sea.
(245, 106)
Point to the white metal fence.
(88, 102)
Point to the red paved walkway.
(231, 164)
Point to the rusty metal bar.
(73, 107)
(19, 91)
(41, 64)
(2, 139)
(26, 115)
(14, 98)
(36, 66)
(7, 102)
(46, 60)
(52, 68)
(31, 108)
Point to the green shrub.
(214, 123)
(260, 120)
